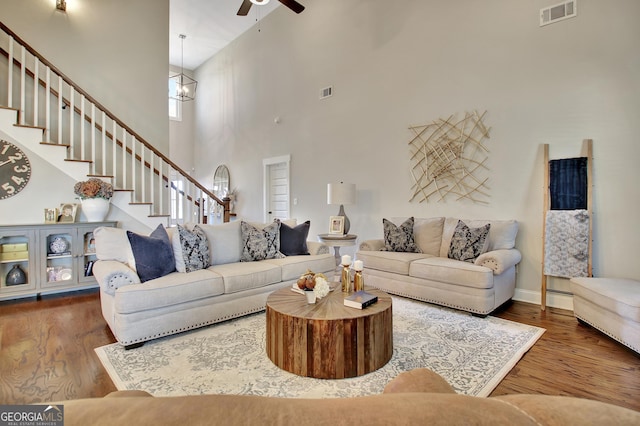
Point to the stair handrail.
(225, 202)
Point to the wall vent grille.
(326, 92)
(558, 12)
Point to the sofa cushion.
(394, 262)
(247, 275)
(225, 242)
(194, 249)
(113, 244)
(468, 243)
(260, 244)
(452, 272)
(293, 240)
(172, 289)
(294, 266)
(153, 254)
(399, 238)
(427, 234)
(501, 236)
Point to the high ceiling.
(209, 26)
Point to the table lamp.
(342, 193)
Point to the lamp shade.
(341, 193)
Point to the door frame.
(266, 163)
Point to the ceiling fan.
(246, 5)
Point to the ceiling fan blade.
(244, 8)
(293, 5)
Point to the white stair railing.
(71, 118)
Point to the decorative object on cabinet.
(15, 169)
(68, 212)
(93, 188)
(16, 276)
(448, 159)
(94, 195)
(342, 193)
(50, 215)
(58, 245)
(95, 209)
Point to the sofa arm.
(316, 247)
(499, 260)
(372, 245)
(112, 275)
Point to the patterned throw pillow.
(468, 243)
(195, 248)
(260, 244)
(399, 238)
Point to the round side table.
(336, 241)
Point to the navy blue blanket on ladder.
(568, 183)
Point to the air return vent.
(326, 92)
(558, 12)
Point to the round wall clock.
(15, 170)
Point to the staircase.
(54, 118)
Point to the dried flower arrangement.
(93, 188)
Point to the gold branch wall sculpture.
(448, 159)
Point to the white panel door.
(276, 188)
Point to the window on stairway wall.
(177, 194)
(175, 107)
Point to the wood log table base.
(328, 340)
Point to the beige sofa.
(416, 397)
(431, 276)
(139, 311)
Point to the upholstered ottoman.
(612, 305)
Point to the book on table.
(360, 300)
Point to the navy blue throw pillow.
(153, 254)
(293, 241)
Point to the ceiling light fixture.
(181, 86)
(62, 5)
(260, 2)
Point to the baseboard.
(554, 300)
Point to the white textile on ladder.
(566, 243)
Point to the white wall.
(116, 50)
(401, 63)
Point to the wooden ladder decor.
(588, 144)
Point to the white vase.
(311, 296)
(95, 209)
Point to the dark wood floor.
(46, 354)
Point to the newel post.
(226, 203)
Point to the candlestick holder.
(346, 279)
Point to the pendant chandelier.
(183, 87)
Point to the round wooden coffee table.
(328, 340)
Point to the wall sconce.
(61, 5)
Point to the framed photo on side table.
(336, 225)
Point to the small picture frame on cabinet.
(68, 212)
(50, 215)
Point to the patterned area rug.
(472, 354)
